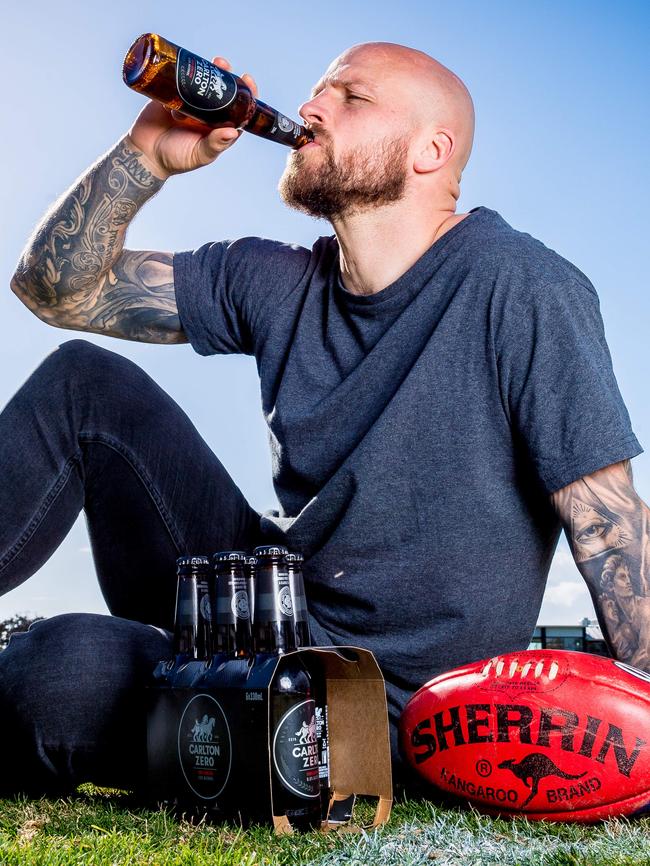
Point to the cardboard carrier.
(211, 750)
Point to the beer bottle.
(192, 645)
(249, 569)
(185, 82)
(232, 621)
(296, 583)
(294, 748)
(303, 639)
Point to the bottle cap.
(274, 551)
(230, 556)
(294, 556)
(192, 562)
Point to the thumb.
(216, 142)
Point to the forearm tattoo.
(608, 528)
(74, 272)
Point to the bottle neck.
(232, 618)
(192, 622)
(269, 123)
(274, 624)
(300, 612)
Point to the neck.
(379, 245)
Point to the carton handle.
(281, 824)
(383, 811)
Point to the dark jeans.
(89, 429)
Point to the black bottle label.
(295, 750)
(204, 747)
(322, 738)
(284, 124)
(201, 84)
(204, 601)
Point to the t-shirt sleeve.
(225, 290)
(557, 382)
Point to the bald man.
(430, 379)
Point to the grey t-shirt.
(417, 433)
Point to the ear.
(435, 152)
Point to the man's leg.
(72, 703)
(90, 429)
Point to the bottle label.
(323, 743)
(295, 750)
(204, 747)
(204, 600)
(285, 602)
(240, 605)
(202, 84)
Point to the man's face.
(360, 113)
(622, 582)
(617, 574)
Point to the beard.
(364, 178)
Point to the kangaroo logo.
(535, 767)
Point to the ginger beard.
(365, 177)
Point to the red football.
(549, 733)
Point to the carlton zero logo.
(202, 85)
(204, 747)
(295, 750)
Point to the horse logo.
(307, 732)
(202, 730)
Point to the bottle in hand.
(185, 82)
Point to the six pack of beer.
(247, 721)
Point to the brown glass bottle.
(192, 646)
(294, 562)
(294, 747)
(185, 82)
(232, 619)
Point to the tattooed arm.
(608, 529)
(74, 272)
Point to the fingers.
(217, 142)
(250, 81)
(222, 63)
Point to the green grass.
(103, 827)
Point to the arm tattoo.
(608, 528)
(74, 272)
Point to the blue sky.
(561, 96)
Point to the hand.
(172, 143)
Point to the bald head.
(439, 96)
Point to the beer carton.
(211, 748)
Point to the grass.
(105, 827)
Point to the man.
(438, 390)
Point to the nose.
(313, 111)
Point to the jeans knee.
(79, 356)
(73, 651)
(81, 369)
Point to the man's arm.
(608, 529)
(74, 272)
